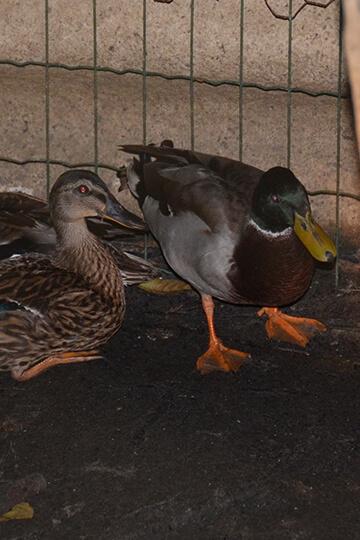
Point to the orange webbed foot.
(220, 358)
(297, 330)
(217, 357)
(65, 358)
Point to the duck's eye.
(84, 190)
(274, 198)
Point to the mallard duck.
(24, 216)
(71, 301)
(25, 226)
(233, 232)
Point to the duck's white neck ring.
(270, 234)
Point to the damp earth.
(140, 445)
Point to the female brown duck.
(25, 226)
(233, 232)
(72, 301)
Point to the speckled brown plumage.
(26, 224)
(71, 300)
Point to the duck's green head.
(280, 201)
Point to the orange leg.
(217, 357)
(65, 358)
(296, 330)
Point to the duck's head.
(79, 194)
(280, 201)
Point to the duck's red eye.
(274, 198)
(83, 190)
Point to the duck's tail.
(145, 153)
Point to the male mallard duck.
(71, 301)
(25, 224)
(233, 232)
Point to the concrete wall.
(315, 52)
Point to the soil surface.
(141, 446)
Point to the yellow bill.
(314, 238)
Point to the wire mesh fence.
(295, 9)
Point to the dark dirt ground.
(141, 446)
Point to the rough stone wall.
(315, 52)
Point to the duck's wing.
(214, 188)
(24, 217)
(18, 202)
(230, 169)
(33, 282)
(46, 311)
(133, 269)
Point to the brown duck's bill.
(116, 212)
(314, 238)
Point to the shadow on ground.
(142, 446)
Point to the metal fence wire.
(240, 83)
